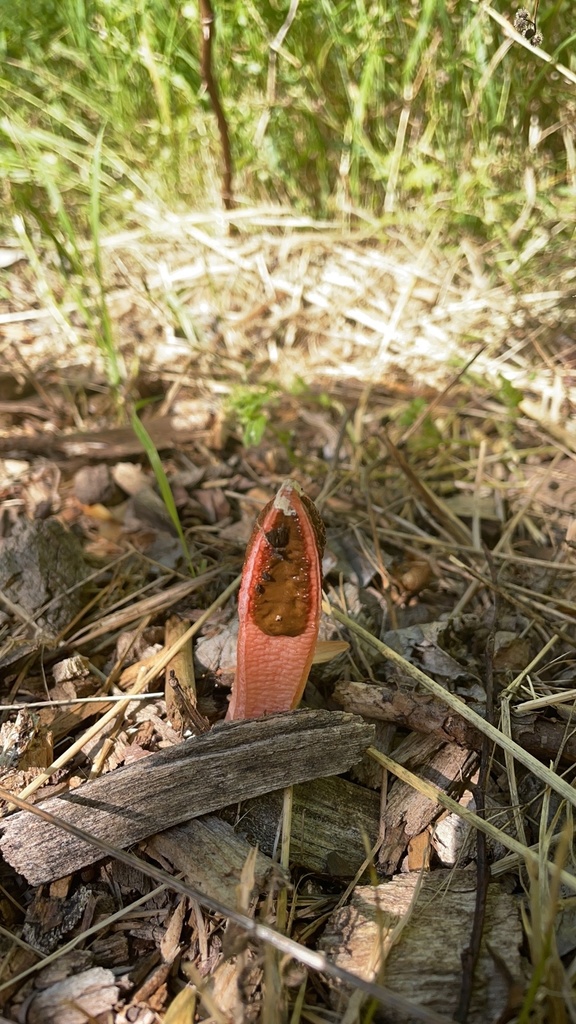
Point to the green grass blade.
(163, 484)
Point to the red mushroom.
(279, 606)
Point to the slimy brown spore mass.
(280, 602)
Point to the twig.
(207, 28)
(472, 952)
(78, 701)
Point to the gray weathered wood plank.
(233, 762)
(331, 819)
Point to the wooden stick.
(398, 700)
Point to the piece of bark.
(234, 989)
(15, 960)
(425, 965)
(408, 812)
(369, 772)
(329, 820)
(40, 490)
(51, 917)
(152, 992)
(545, 739)
(180, 682)
(405, 703)
(111, 949)
(93, 485)
(210, 855)
(233, 762)
(16, 648)
(455, 840)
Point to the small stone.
(93, 485)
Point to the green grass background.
(395, 109)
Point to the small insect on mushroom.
(278, 540)
(279, 606)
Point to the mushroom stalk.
(279, 606)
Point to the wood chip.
(408, 812)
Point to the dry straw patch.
(285, 295)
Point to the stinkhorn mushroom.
(279, 606)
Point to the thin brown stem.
(207, 38)
(471, 954)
